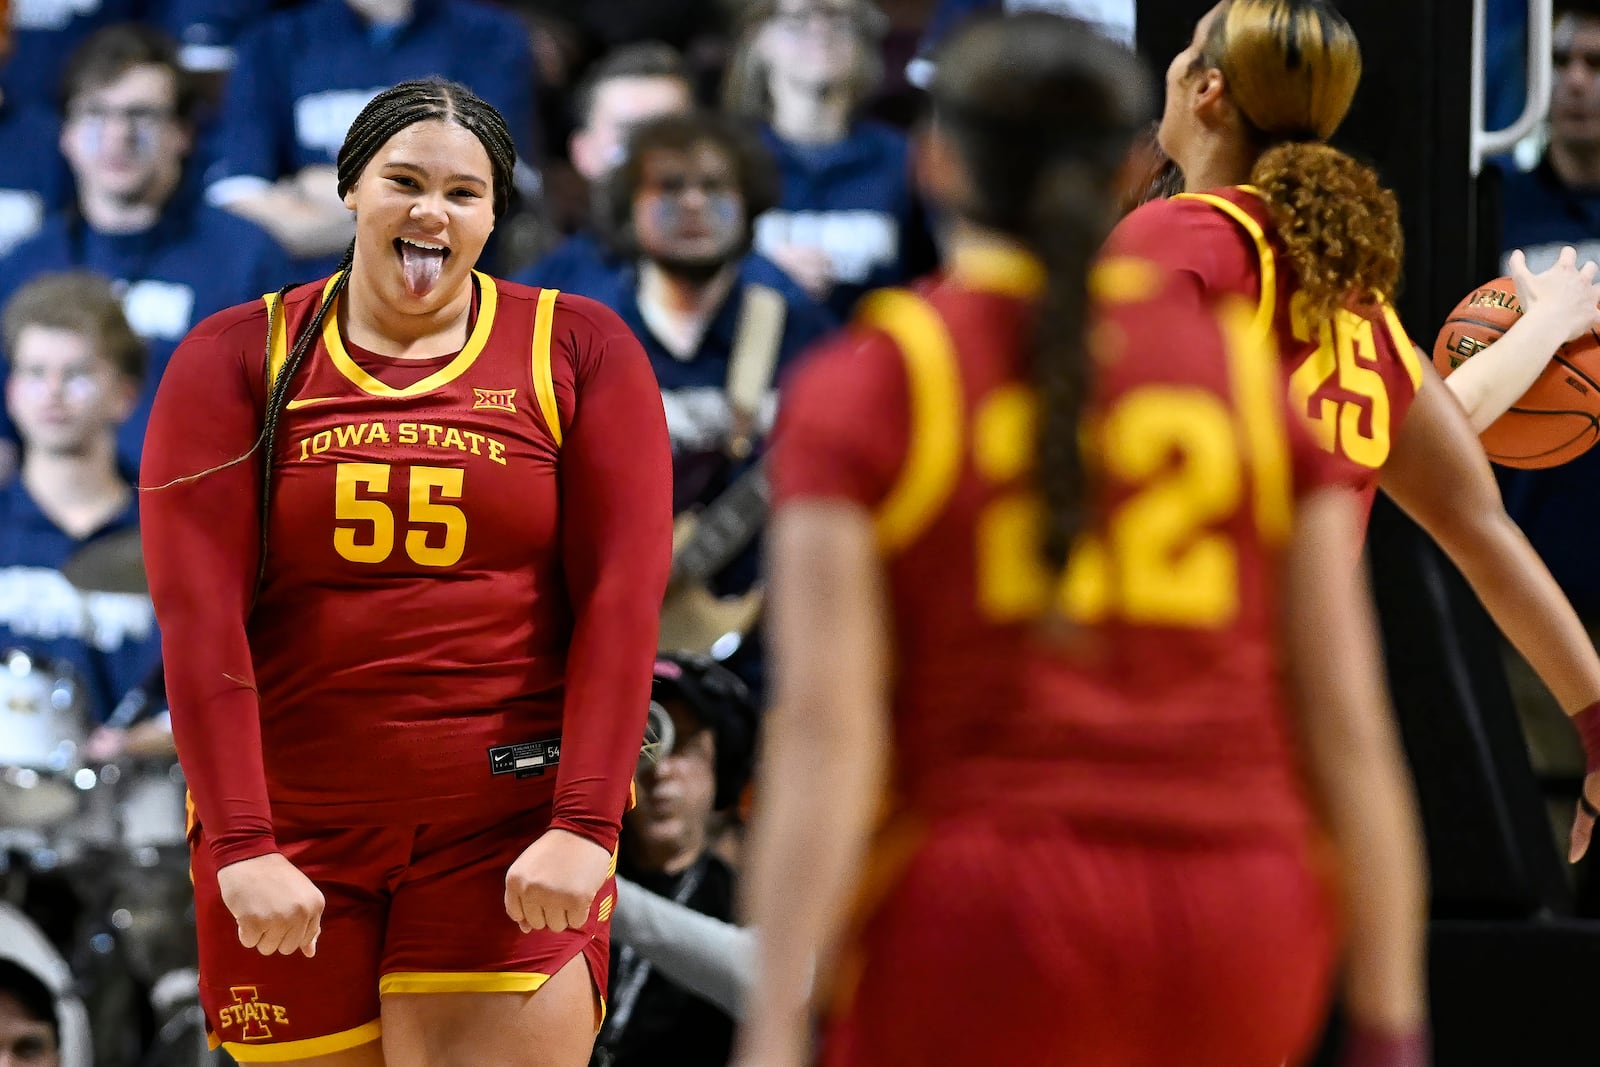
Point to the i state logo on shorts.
(251, 1014)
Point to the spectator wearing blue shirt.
(625, 88)
(33, 179)
(75, 368)
(1558, 204)
(635, 83)
(47, 32)
(682, 204)
(683, 200)
(126, 133)
(207, 31)
(304, 74)
(847, 219)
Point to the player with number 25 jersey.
(1352, 374)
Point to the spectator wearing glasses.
(128, 129)
(847, 219)
(623, 90)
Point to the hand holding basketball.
(1565, 291)
(277, 907)
(552, 885)
(1558, 418)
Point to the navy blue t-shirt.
(195, 261)
(1559, 509)
(44, 35)
(302, 76)
(853, 199)
(585, 265)
(1539, 214)
(109, 640)
(34, 179)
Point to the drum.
(152, 809)
(43, 727)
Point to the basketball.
(1558, 418)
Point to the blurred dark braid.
(1043, 110)
(384, 116)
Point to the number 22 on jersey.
(1163, 556)
(436, 533)
(1159, 559)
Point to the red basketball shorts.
(1046, 947)
(410, 909)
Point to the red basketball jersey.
(1353, 376)
(1164, 711)
(429, 528)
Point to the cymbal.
(110, 564)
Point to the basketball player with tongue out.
(408, 530)
(1273, 213)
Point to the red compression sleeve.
(616, 520)
(201, 546)
(1588, 723)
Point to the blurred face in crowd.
(670, 824)
(424, 209)
(24, 1040)
(124, 139)
(618, 106)
(812, 41)
(65, 397)
(1575, 107)
(689, 212)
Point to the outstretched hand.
(1565, 291)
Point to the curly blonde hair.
(1292, 68)
(1339, 226)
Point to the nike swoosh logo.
(307, 401)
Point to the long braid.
(1042, 111)
(278, 392)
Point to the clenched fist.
(552, 885)
(278, 909)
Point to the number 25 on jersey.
(1344, 354)
(436, 532)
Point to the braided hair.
(1042, 111)
(385, 115)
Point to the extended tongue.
(421, 267)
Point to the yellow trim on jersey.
(1402, 342)
(933, 449)
(487, 299)
(1258, 391)
(304, 1049)
(996, 268)
(1124, 280)
(1267, 309)
(278, 343)
(460, 982)
(544, 385)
